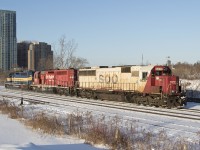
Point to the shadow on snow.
(32, 146)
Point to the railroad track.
(63, 103)
(55, 99)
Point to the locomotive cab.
(164, 88)
(37, 79)
(166, 83)
(9, 80)
(161, 71)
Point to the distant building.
(43, 56)
(31, 57)
(8, 40)
(22, 54)
(39, 56)
(169, 63)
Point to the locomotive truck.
(147, 85)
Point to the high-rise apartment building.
(8, 40)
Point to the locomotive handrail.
(112, 86)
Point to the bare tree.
(65, 56)
(78, 62)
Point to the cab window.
(144, 75)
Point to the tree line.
(186, 70)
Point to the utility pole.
(168, 61)
(142, 60)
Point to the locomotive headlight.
(71, 77)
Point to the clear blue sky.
(113, 32)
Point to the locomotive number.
(108, 78)
(49, 77)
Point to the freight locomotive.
(19, 79)
(147, 85)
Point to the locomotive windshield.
(166, 71)
(10, 75)
(161, 71)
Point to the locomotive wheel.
(94, 96)
(60, 91)
(150, 100)
(55, 90)
(128, 98)
(137, 101)
(177, 103)
(88, 94)
(170, 103)
(82, 94)
(169, 106)
(38, 89)
(133, 99)
(144, 101)
(161, 103)
(67, 92)
(72, 92)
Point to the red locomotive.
(60, 81)
(147, 85)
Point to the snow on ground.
(191, 84)
(14, 135)
(192, 88)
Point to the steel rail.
(123, 106)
